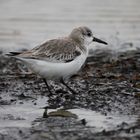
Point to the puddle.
(21, 115)
(101, 122)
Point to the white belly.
(54, 71)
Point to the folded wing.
(57, 50)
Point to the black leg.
(48, 87)
(70, 89)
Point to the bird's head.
(83, 35)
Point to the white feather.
(55, 71)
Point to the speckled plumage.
(56, 50)
(60, 58)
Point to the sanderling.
(59, 59)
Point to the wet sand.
(106, 105)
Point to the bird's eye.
(89, 34)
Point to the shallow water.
(104, 122)
(25, 24)
(21, 115)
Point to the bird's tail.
(13, 53)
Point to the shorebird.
(59, 59)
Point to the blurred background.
(27, 23)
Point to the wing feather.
(57, 50)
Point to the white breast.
(53, 71)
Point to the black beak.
(99, 40)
